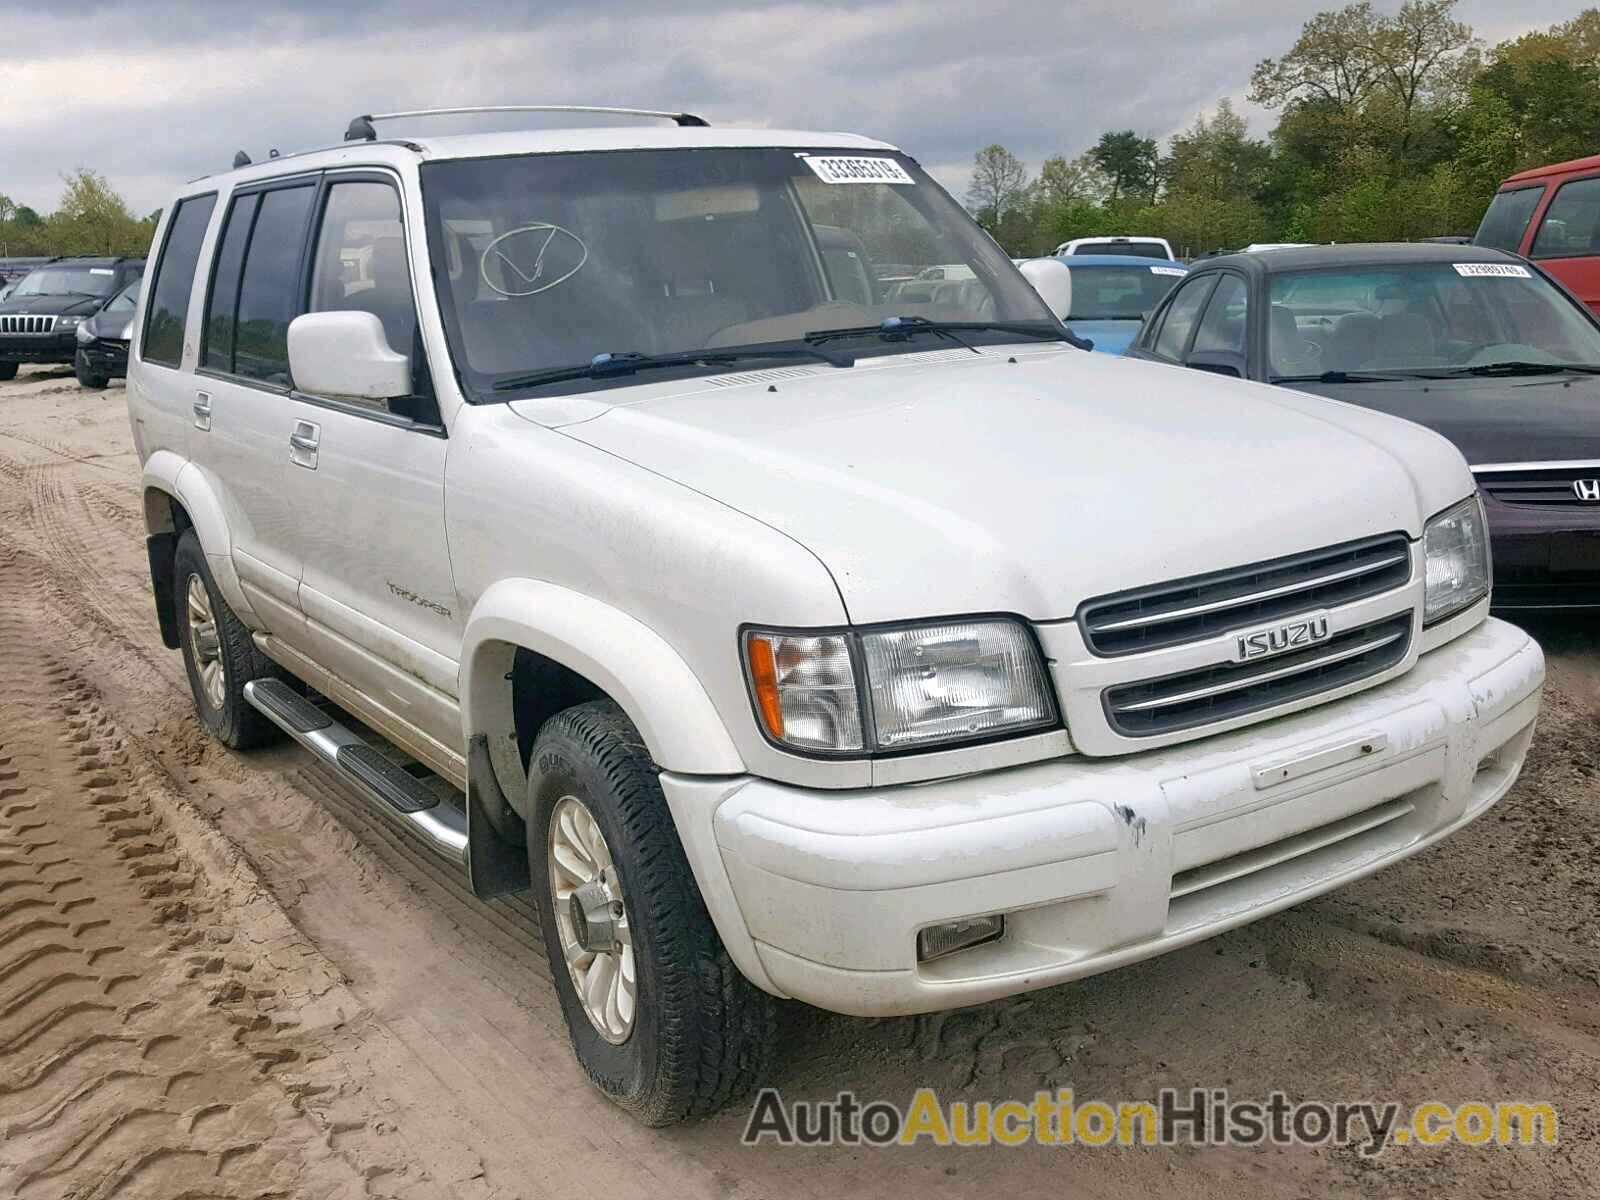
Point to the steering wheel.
(520, 254)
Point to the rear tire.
(86, 375)
(8, 370)
(218, 654)
(697, 1034)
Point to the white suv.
(617, 511)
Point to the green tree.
(1333, 62)
(999, 184)
(1129, 162)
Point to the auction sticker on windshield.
(855, 169)
(1168, 271)
(1503, 270)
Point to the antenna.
(361, 129)
(241, 159)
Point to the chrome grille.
(27, 324)
(1228, 690)
(1190, 610)
(1560, 485)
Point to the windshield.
(1118, 293)
(1125, 249)
(1507, 219)
(68, 281)
(546, 261)
(126, 300)
(1423, 317)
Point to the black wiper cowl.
(615, 364)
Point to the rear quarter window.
(168, 313)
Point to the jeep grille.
(24, 325)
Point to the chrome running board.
(388, 788)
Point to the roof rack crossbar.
(361, 129)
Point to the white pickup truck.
(603, 508)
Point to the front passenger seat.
(1288, 351)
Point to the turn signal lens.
(805, 690)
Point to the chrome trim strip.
(1218, 689)
(1567, 464)
(1288, 589)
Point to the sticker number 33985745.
(856, 169)
(1500, 270)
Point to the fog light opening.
(938, 941)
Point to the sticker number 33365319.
(1501, 270)
(834, 168)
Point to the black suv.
(39, 320)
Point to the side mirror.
(1230, 365)
(1051, 279)
(345, 354)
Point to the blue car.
(1112, 294)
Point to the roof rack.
(361, 129)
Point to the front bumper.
(40, 348)
(103, 357)
(1098, 863)
(1544, 558)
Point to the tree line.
(1388, 127)
(91, 219)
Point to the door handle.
(202, 411)
(303, 444)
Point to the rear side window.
(169, 294)
(1222, 329)
(269, 287)
(1507, 219)
(1571, 225)
(216, 353)
(1180, 317)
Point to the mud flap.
(495, 865)
(161, 547)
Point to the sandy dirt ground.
(218, 977)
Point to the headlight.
(1455, 548)
(67, 322)
(83, 335)
(901, 688)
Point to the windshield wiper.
(1346, 377)
(1520, 367)
(613, 365)
(899, 329)
(1106, 317)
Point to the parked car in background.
(1474, 343)
(1552, 215)
(14, 268)
(103, 339)
(1133, 247)
(39, 320)
(1110, 295)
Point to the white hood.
(986, 485)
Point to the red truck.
(1552, 214)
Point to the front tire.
(8, 370)
(86, 374)
(660, 1018)
(218, 653)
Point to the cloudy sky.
(154, 92)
